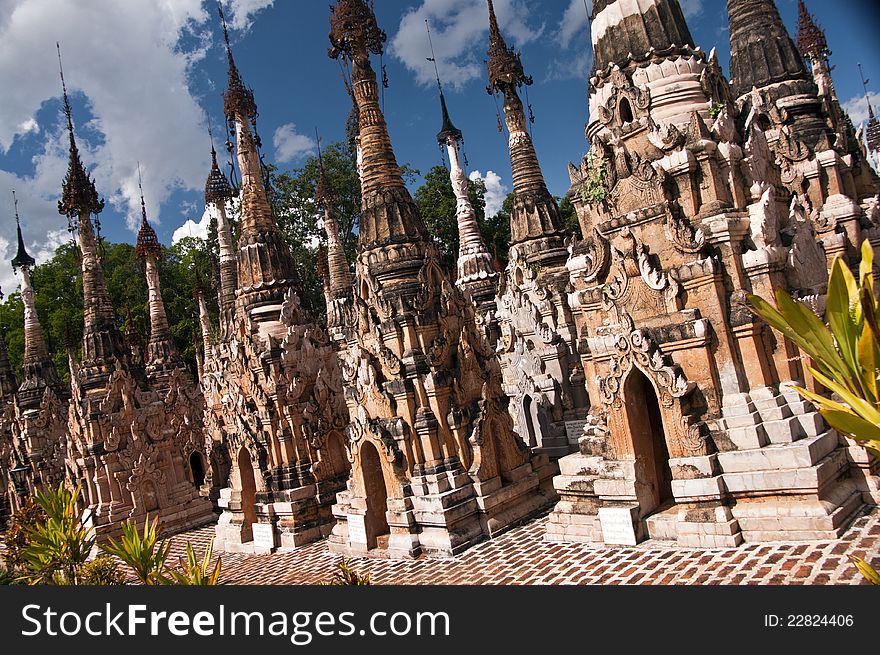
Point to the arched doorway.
(375, 521)
(649, 441)
(528, 409)
(248, 492)
(197, 468)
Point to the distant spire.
(872, 130)
(79, 196)
(22, 258)
(217, 188)
(447, 129)
(338, 273)
(147, 241)
(811, 42)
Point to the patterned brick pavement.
(522, 556)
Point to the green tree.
(496, 232)
(569, 216)
(437, 205)
(292, 198)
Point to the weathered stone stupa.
(542, 374)
(809, 134)
(272, 384)
(124, 444)
(694, 433)
(435, 462)
(41, 397)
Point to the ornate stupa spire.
(265, 269)
(339, 281)
(534, 222)
(102, 341)
(761, 50)
(162, 352)
(628, 32)
(813, 47)
(872, 129)
(38, 369)
(475, 268)
(204, 318)
(389, 216)
(217, 194)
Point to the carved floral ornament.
(623, 91)
(634, 348)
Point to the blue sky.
(145, 75)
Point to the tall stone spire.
(265, 269)
(217, 194)
(204, 319)
(38, 370)
(162, 354)
(102, 340)
(872, 130)
(761, 50)
(388, 215)
(476, 270)
(534, 222)
(624, 31)
(339, 281)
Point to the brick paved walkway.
(521, 556)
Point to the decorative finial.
(811, 40)
(147, 241)
(447, 129)
(238, 98)
(22, 259)
(79, 196)
(323, 192)
(504, 64)
(354, 32)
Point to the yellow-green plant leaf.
(866, 266)
(869, 357)
(851, 425)
(819, 400)
(860, 406)
(866, 570)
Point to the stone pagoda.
(694, 433)
(542, 373)
(436, 465)
(167, 374)
(42, 397)
(123, 445)
(272, 383)
(808, 132)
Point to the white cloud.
(691, 8)
(857, 107)
(129, 63)
(574, 20)
(496, 191)
(243, 12)
(192, 229)
(290, 145)
(459, 30)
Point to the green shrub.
(345, 576)
(143, 553)
(193, 572)
(103, 570)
